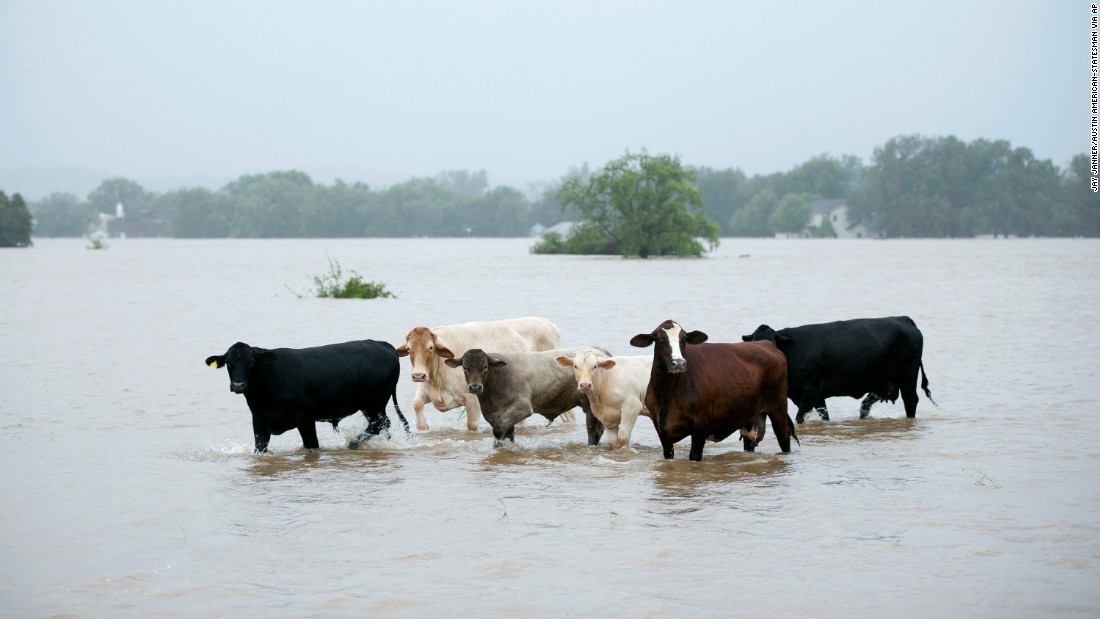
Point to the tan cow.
(446, 387)
(615, 387)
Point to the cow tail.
(404, 422)
(790, 424)
(924, 383)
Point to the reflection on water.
(870, 429)
(719, 473)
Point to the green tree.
(792, 215)
(723, 193)
(270, 205)
(641, 205)
(61, 214)
(502, 211)
(547, 210)
(419, 207)
(113, 191)
(15, 221)
(1080, 213)
(464, 183)
(752, 219)
(200, 213)
(825, 176)
(944, 187)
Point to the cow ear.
(564, 362)
(403, 350)
(452, 362)
(642, 340)
(443, 351)
(266, 355)
(607, 364)
(696, 337)
(216, 361)
(496, 363)
(746, 338)
(782, 339)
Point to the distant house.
(561, 229)
(118, 226)
(836, 213)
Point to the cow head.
(476, 364)
(421, 347)
(585, 362)
(670, 340)
(240, 359)
(764, 333)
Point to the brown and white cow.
(615, 387)
(445, 387)
(710, 391)
(513, 386)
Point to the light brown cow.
(615, 387)
(446, 387)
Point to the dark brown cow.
(709, 391)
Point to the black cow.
(296, 388)
(878, 357)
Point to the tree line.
(914, 186)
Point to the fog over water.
(172, 95)
(131, 490)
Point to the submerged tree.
(638, 205)
(15, 221)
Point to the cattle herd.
(504, 371)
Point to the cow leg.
(473, 412)
(802, 410)
(865, 406)
(628, 416)
(419, 401)
(781, 426)
(308, 430)
(909, 397)
(377, 423)
(568, 418)
(594, 427)
(667, 449)
(262, 436)
(822, 410)
(698, 439)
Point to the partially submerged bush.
(97, 240)
(332, 285)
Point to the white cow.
(615, 387)
(446, 387)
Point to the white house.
(836, 213)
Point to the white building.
(836, 213)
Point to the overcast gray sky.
(380, 91)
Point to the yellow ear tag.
(214, 364)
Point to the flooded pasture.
(130, 487)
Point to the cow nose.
(237, 387)
(475, 387)
(679, 365)
(584, 387)
(419, 377)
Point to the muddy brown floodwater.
(130, 490)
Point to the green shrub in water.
(332, 285)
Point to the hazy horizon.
(379, 93)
